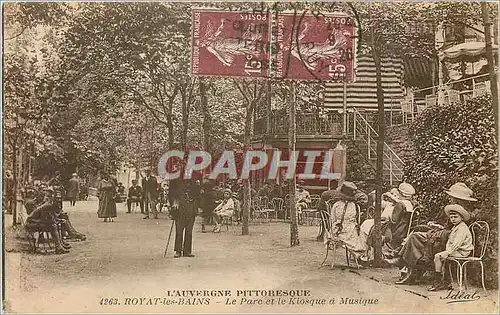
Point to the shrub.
(455, 143)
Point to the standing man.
(73, 189)
(150, 189)
(134, 195)
(184, 198)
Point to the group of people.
(43, 205)
(147, 196)
(413, 249)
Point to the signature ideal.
(460, 296)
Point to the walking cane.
(168, 241)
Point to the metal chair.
(329, 221)
(315, 199)
(414, 219)
(480, 235)
(278, 205)
(261, 209)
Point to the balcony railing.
(307, 124)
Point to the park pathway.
(123, 262)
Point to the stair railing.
(363, 130)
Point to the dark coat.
(73, 188)
(187, 194)
(150, 185)
(135, 191)
(208, 198)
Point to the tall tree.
(252, 94)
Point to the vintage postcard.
(250, 157)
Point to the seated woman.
(224, 209)
(344, 222)
(418, 251)
(399, 217)
(395, 217)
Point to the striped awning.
(418, 71)
(362, 94)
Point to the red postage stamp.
(232, 44)
(314, 47)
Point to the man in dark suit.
(184, 198)
(134, 195)
(150, 190)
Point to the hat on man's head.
(301, 182)
(348, 188)
(74, 174)
(461, 191)
(349, 185)
(406, 190)
(458, 209)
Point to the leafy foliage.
(457, 143)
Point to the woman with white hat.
(400, 216)
(417, 254)
(396, 211)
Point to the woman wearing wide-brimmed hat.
(399, 218)
(397, 207)
(418, 252)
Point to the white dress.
(345, 231)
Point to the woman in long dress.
(107, 205)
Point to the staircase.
(365, 138)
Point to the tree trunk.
(13, 192)
(294, 228)
(491, 61)
(380, 158)
(246, 182)
(185, 117)
(207, 119)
